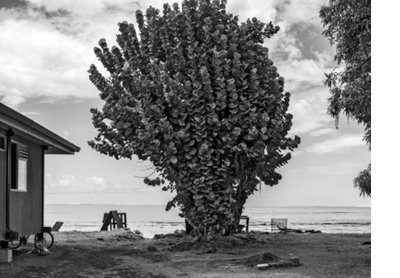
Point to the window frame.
(19, 160)
(3, 142)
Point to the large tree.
(348, 26)
(196, 94)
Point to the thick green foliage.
(197, 95)
(363, 182)
(348, 26)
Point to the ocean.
(153, 219)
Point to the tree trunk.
(188, 227)
(240, 196)
(237, 211)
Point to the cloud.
(298, 11)
(31, 113)
(303, 79)
(263, 10)
(279, 11)
(39, 61)
(302, 56)
(96, 181)
(49, 181)
(47, 47)
(66, 134)
(339, 168)
(340, 144)
(13, 99)
(301, 75)
(68, 181)
(323, 131)
(309, 111)
(334, 168)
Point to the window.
(19, 166)
(2, 143)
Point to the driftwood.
(286, 230)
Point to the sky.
(46, 48)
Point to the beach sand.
(123, 253)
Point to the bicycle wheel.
(14, 244)
(47, 240)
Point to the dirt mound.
(96, 239)
(265, 258)
(270, 259)
(218, 243)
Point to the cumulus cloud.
(301, 74)
(284, 12)
(67, 181)
(66, 134)
(309, 111)
(333, 168)
(323, 131)
(47, 47)
(71, 184)
(263, 10)
(13, 98)
(39, 61)
(302, 56)
(292, 11)
(339, 144)
(50, 181)
(31, 113)
(97, 182)
(341, 168)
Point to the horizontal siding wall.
(3, 188)
(26, 207)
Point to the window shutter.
(23, 152)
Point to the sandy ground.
(123, 253)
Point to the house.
(23, 147)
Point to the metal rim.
(14, 244)
(49, 240)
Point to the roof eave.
(55, 143)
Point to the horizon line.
(245, 206)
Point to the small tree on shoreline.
(348, 26)
(197, 96)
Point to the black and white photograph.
(194, 138)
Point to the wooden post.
(106, 222)
(247, 221)
(5, 255)
(122, 215)
(10, 133)
(117, 219)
